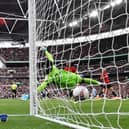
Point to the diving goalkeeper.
(62, 78)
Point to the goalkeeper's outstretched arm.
(49, 56)
(91, 81)
(48, 79)
(44, 84)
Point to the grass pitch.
(96, 114)
(101, 113)
(19, 118)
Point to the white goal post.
(32, 57)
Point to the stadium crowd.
(14, 54)
(118, 69)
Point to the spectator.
(93, 92)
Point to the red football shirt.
(70, 69)
(105, 77)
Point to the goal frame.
(33, 71)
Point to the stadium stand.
(17, 70)
(20, 71)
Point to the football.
(80, 92)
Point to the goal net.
(89, 35)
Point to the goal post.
(91, 36)
(32, 57)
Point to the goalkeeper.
(62, 78)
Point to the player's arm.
(48, 55)
(48, 79)
(44, 84)
(91, 81)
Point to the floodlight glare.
(106, 7)
(112, 4)
(93, 13)
(117, 2)
(74, 23)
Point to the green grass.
(28, 122)
(94, 119)
(11, 107)
(100, 112)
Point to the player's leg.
(111, 93)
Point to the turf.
(24, 121)
(95, 114)
(18, 107)
(27, 122)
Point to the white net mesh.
(90, 35)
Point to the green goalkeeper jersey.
(64, 79)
